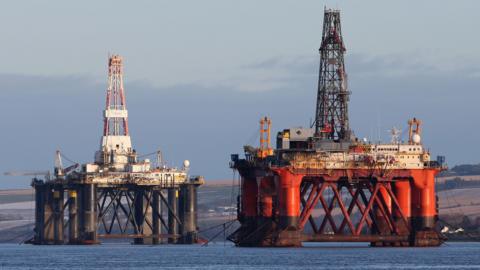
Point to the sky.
(200, 74)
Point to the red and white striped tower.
(116, 145)
(116, 117)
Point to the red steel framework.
(286, 207)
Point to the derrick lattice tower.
(331, 118)
(382, 193)
(116, 145)
(115, 118)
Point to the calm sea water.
(220, 256)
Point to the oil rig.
(118, 195)
(322, 184)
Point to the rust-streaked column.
(265, 196)
(288, 190)
(49, 216)
(188, 213)
(39, 213)
(173, 214)
(142, 214)
(249, 198)
(58, 215)
(156, 206)
(288, 197)
(424, 210)
(89, 214)
(72, 217)
(403, 194)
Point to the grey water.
(226, 256)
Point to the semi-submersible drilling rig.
(118, 195)
(323, 184)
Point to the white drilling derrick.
(116, 162)
(115, 146)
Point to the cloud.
(300, 64)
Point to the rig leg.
(403, 193)
(58, 219)
(88, 229)
(172, 215)
(404, 198)
(72, 217)
(48, 227)
(288, 190)
(156, 212)
(266, 191)
(246, 235)
(188, 214)
(142, 212)
(40, 205)
(424, 211)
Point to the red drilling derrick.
(322, 184)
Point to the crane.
(59, 171)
